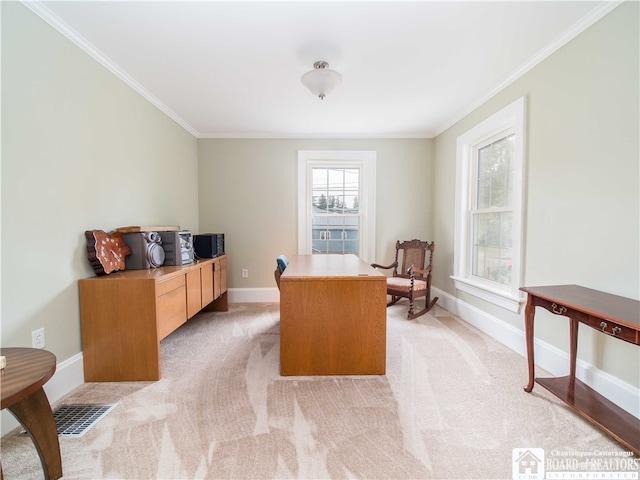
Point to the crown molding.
(48, 16)
(592, 17)
(276, 135)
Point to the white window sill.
(498, 297)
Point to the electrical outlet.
(245, 273)
(37, 338)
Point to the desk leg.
(35, 415)
(529, 313)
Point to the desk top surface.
(600, 304)
(313, 267)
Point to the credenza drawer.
(171, 284)
(171, 311)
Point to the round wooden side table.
(27, 370)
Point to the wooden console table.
(27, 370)
(615, 316)
(333, 318)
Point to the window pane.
(336, 234)
(484, 192)
(491, 250)
(320, 189)
(495, 173)
(492, 231)
(335, 220)
(335, 190)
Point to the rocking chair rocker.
(413, 280)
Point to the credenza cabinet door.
(206, 280)
(194, 292)
(219, 277)
(222, 267)
(220, 302)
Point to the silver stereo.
(146, 250)
(178, 247)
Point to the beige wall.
(80, 151)
(582, 180)
(248, 191)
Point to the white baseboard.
(69, 375)
(254, 295)
(548, 357)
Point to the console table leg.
(573, 346)
(34, 414)
(573, 351)
(529, 313)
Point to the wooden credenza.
(124, 315)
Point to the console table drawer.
(560, 309)
(614, 329)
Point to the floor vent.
(76, 420)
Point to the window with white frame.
(489, 207)
(336, 202)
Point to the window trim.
(365, 160)
(507, 296)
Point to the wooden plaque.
(106, 251)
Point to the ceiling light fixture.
(321, 80)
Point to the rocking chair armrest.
(411, 270)
(393, 265)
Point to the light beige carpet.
(451, 406)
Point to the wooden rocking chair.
(413, 280)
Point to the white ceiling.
(232, 69)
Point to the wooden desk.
(27, 370)
(333, 318)
(615, 316)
